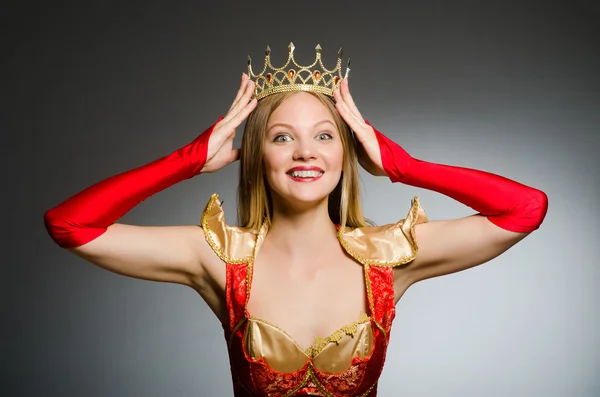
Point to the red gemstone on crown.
(291, 73)
(336, 79)
(269, 77)
(316, 75)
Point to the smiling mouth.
(307, 174)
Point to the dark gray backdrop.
(94, 88)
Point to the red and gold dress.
(265, 360)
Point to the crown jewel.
(294, 77)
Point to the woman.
(302, 257)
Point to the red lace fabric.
(253, 377)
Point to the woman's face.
(303, 153)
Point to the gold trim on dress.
(233, 244)
(349, 329)
(388, 245)
(320, 342)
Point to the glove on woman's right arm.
(85, 216)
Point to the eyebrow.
(292, 127)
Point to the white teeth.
(306, 174)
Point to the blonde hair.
(254, 202)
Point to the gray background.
(96, 88)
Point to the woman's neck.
(301, 232)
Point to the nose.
(305, 150)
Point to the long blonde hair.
(254, 202)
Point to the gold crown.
(272, 80)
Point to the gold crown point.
(347, 69)
(268, 51)
(250, 73)
(291, 47)
(318, 48)
(340, 52)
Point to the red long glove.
(87, 215)
(506, 203)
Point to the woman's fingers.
(242, 102)
(240, 92)
(244, 112)
(355, 121)
(347, 115)
(245, 91)
(345, 91)
(234, 121)
(340, 101)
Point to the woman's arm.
(85, 223)
(507, 210)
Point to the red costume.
(265, 360)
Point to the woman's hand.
(369, 155)
(220, 145)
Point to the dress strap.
(237, 292)
(380, 293)
(235, 246)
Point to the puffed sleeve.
(387, 245)
(232, 244)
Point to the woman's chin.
(303, 199)
(302, 195)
